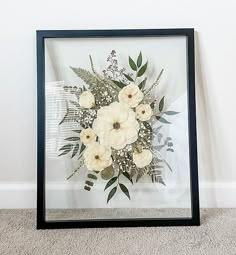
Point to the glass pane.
(116, 109)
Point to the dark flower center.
(96, 157)
(87, 136)
(116, 125)
(129, 96)
(143, 112)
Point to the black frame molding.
(101, 223)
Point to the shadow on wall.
(206, 129)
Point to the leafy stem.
(155, 83)
(137, 67)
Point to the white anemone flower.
(144, 112)
(97, 157)
(131, 95)
(143, 158)
(87, 136)
(116, 125)
(87, 100)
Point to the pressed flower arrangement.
(119, 126)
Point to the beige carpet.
(216, 235)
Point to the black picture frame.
(101, 223)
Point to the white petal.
(131, 135)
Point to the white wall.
(214, 22)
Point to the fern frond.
(85, 75)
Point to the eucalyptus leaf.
(139, 60)
(124, 189)
(142, 70)
(92, 176)
(157, 129)
(163, 120)
(76, 148)
(170, 113)
(87, 188)
(110, 182)
(107, 173)
(74, 138)
(128, 77)
(159, 137)
(161, 104)
(132, 64)
(111, 194)
(89, 183)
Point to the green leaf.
(82, 148)
(119, 84)
(66, 147)
(74, 138)
(163, 120)
(139, 60)
(152, 105)
(76, 148)
(124, 189)
(170, 113)
(92, 176)
(147, 126)
(170, 149)
(128, 77)
(89, 183)
(64, 153)
(161, 104)
(142, 70)
(142, 83)
(110, 182)
(127, 176)
(111, 194)
(77, 131)
(107, 173)
(87, 188)
(132, 64)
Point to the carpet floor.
(216, 235)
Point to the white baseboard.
(23, 195)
